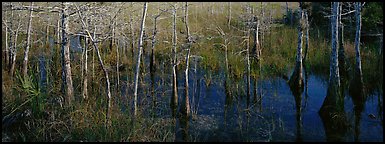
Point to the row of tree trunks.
(108, 92)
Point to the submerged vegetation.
(123, 93)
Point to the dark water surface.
(279, 116)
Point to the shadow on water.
(333, 115)
(297, 91)
(221, 110)
(359, 98)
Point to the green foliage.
(372, 16)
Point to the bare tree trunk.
(229, 17)
(140, 47)
(58, 31)
(152, 64)
(12, 71)
(248, 53)
(66, 54)
(117, 60)
(174, 99)
(186, 105)
(262, 24)
(85, 80)
(132, 37)
(93, 53)
(341, 49)
(6, 42)
(256, 47)
(287, 12)
(108, 92)
(358, 70)
(10, 43)
(307, 35)
(25, 61)
(296, 79)
(333, 92)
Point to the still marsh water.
(278, 116)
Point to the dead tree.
(152, 61)
(229, 17)
(358, 70)
(10, 43)
(6, 41)
(186, 104)
(66, 62)
(174, 98)
(14, 49)
(341, 49)
(307, 35)
(25, 60)
(333, 97)
(296, 79)
(140, 47)
(247, 39)
(108, 92)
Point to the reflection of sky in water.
(279, 106)
(278, 109)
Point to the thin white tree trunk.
(248, 52)
(334, 72)
(12, 71)
(140, 47)
(186, 107)
(25, 60)
(174, 99)
(108, 91)
(296, 79)
(10, 43)
(85, 80)
(307, 35)
(6, 43)
(358, 70)
(117, 59)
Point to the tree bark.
(85, 80)
(12, 70)
(341, 49)
(108, 92)
(6, 43)
(174, 99)
(307, 35)
(186, 106)
(296, 79)
(10, 43)
(140, 47)
(25, 61)
(248, 54)
(333, 92)
(152, 64)
(358, 70)
(229, 17)
(66, 55)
